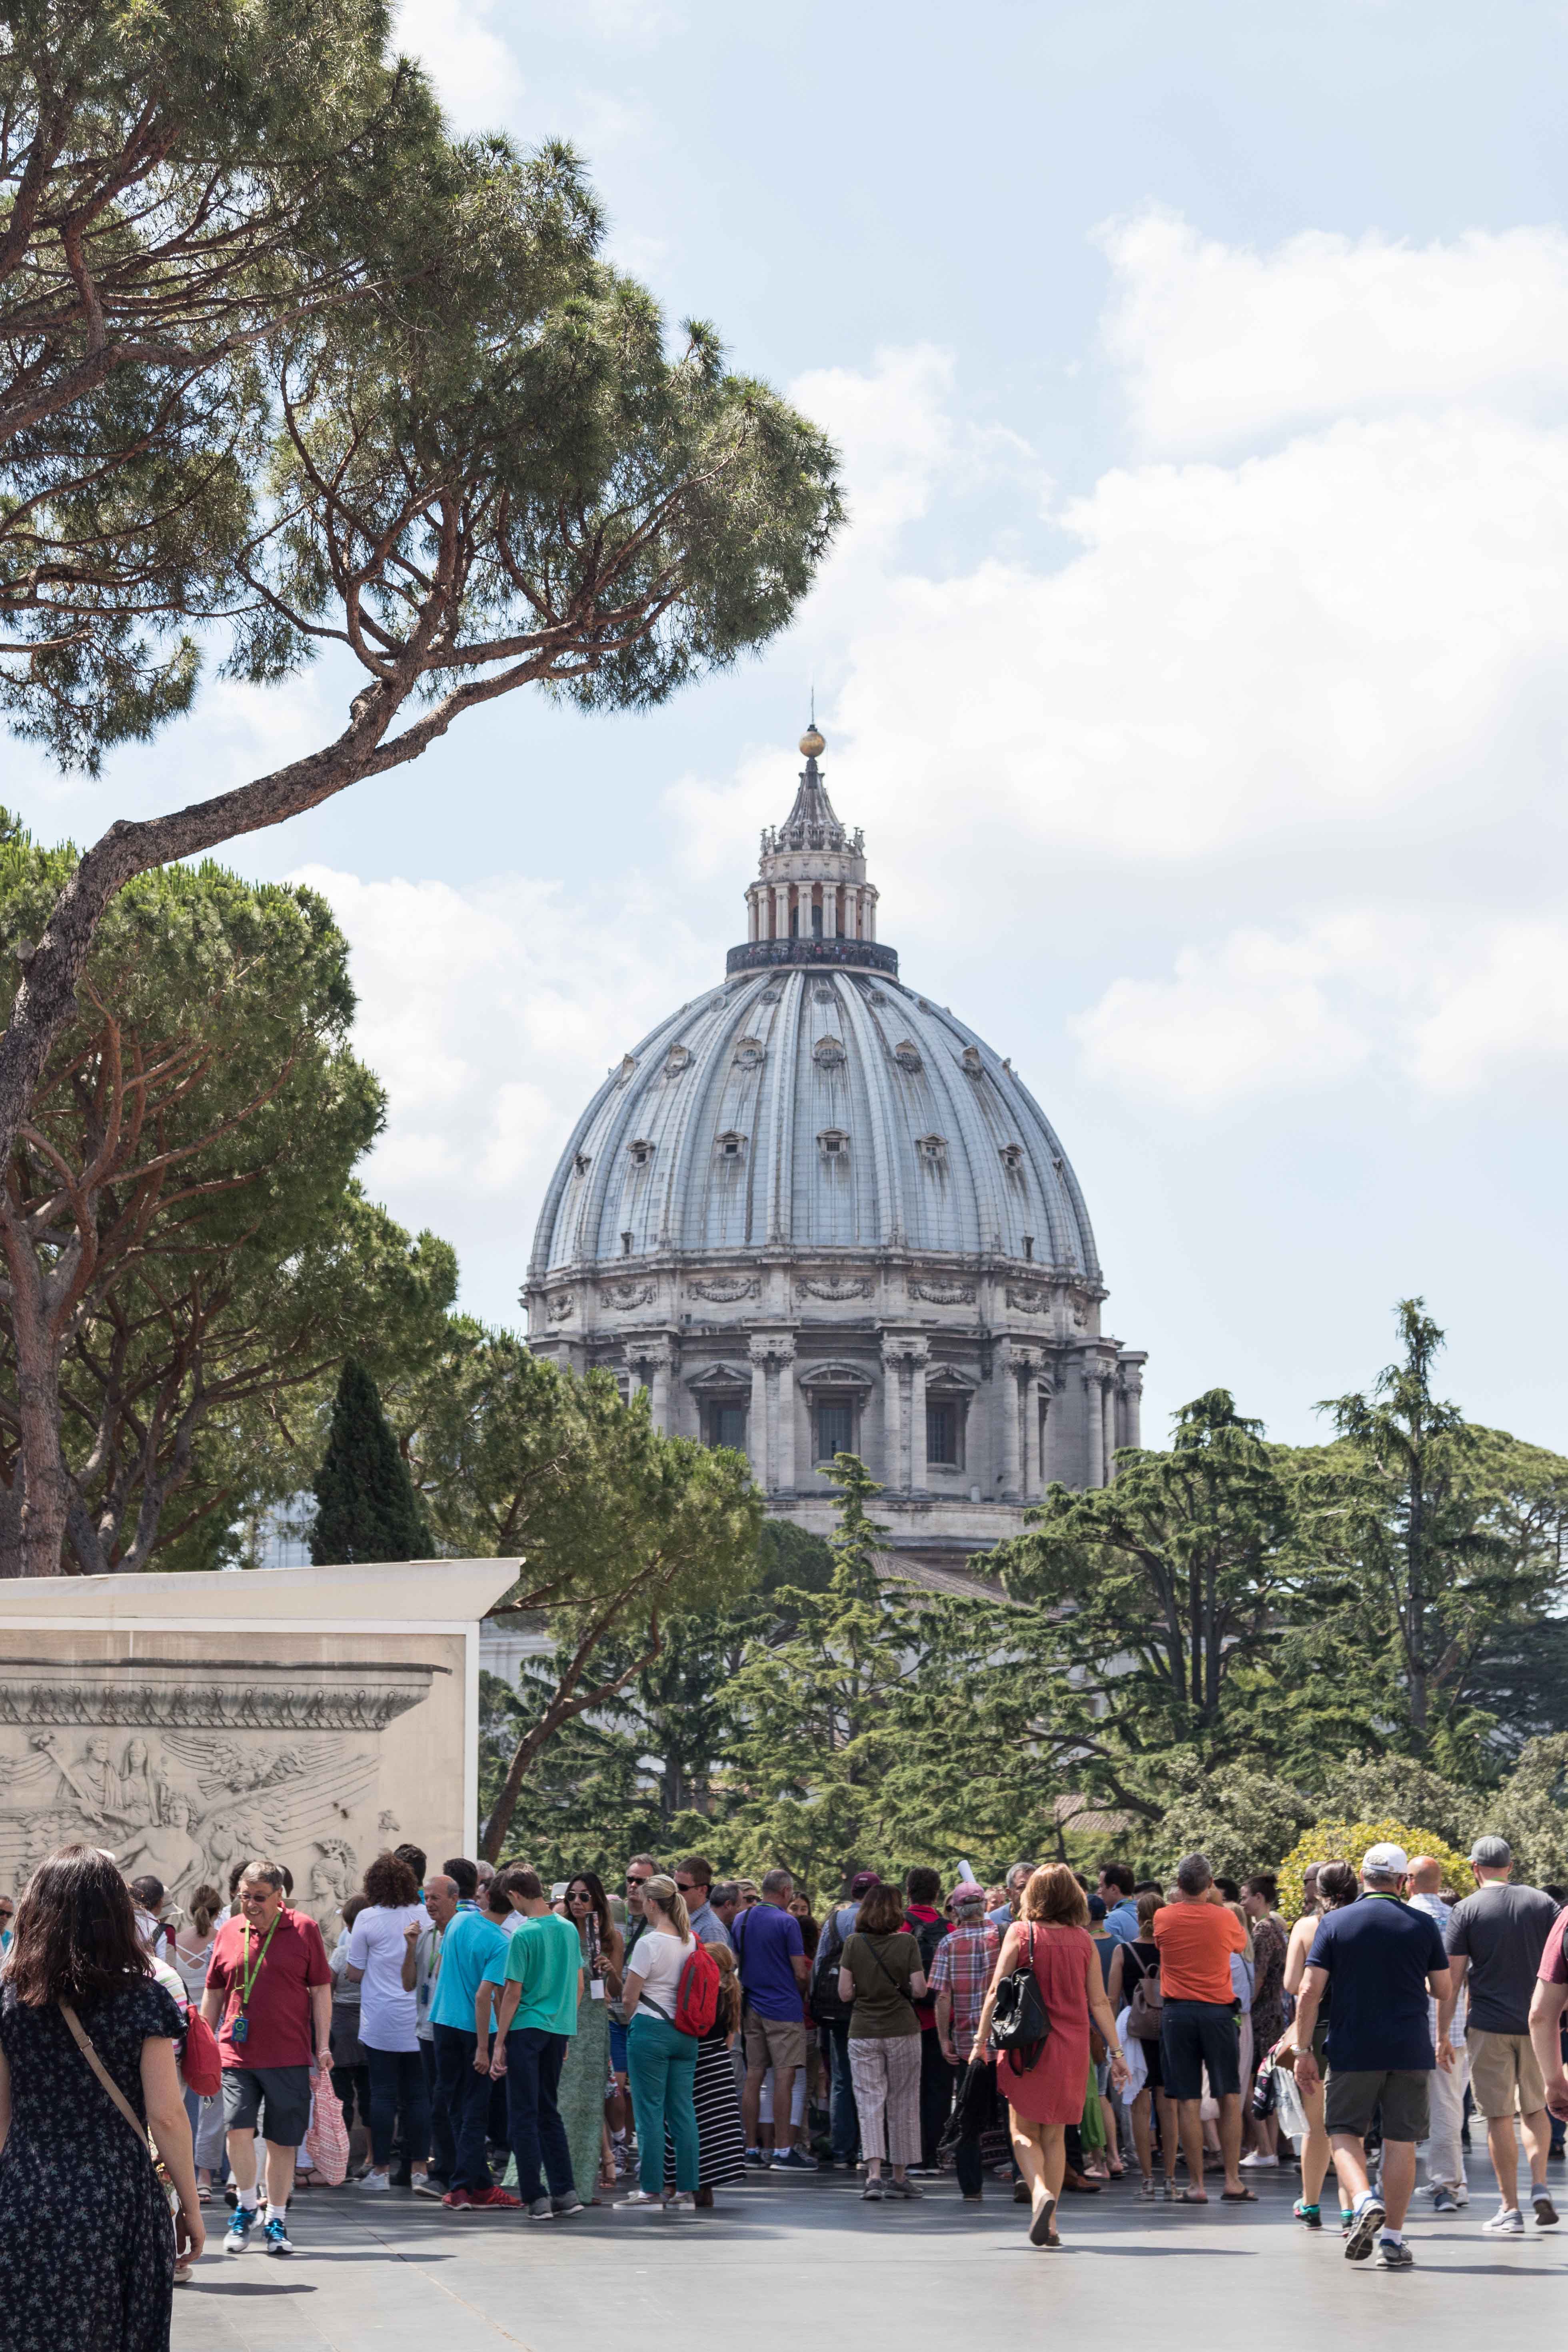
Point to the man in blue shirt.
(1116, 1884)
(771, 1958)
(473, 1948)
(1383, 1960)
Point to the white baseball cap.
(1385, 1862)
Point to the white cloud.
(477, 76)
(491, 1014)
(1445, 1008)
(1215, 342)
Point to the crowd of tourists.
(477, 2037)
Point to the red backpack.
(696, 1995)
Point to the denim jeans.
(533, 2063)
(462, 2104)
(440, 2128)
(397, 2080)
(844, 2119)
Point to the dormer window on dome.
(828, 1052)
(1012, 1157)
(679, 1062)
(750, 1054)
(833, 1143)
(731, 1145)
(931, 1147)
(906, 1054)
(640, 1152)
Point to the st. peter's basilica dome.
(813, 1212)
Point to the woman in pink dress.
(1051, 1936)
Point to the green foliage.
(365, 1507)
(187, 1255)
(1242, 1820)
(1343, 1840)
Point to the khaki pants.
(886, 2073)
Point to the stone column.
(757, 1419)
(852, 911)
(1029, 1402)
(780, 910)
(1005, 1390)
(659, 1366)
(1130, 1384)
(893, 1417)
(1094, 1452)
(830, 910)
(783, 1354)
(751, 915)
(1107, 1415)
(919, 1474)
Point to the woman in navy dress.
(87, 2247)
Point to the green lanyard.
(247, 1975)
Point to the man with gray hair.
(1495, 1940)
(1017, 1878)
(1197, 1935)
(1383, 1957)
(770, 1959)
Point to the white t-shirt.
(388, 2016)
(658, 1961)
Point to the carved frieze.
(1026, 1302)
(944, 1293)
(835, 1286)
(725, 1289)
(629, 1294)
(561, 1306)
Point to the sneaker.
(1307, 2213)
(542, 2208)
(1545, 2212)
(1365, 2222)
(874, 2192)
(925, 2172)
(241, 2222)
(682, 2201)
(1443, 2201)
(759, 2158)
(457, 2201)
(277, 2238)
(376, 2182)
(1258, 2162)
(1347, 2220)
(796, 2160)
(498, 2201)
(426, 2185)
(905, 2187)
(1508, 2222)
(639, 2200)
(1394, 2254)
(564, 2205)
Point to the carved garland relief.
(835, 1286)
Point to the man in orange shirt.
(1198, 2021)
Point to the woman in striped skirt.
(722, 2144)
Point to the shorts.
(1153, 2078)
(618, 2046)
(280, 2096)
(1195, 2035)
(1352, 2095)
(773, 2041)
(1504, 2073)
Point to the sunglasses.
(633, 1879)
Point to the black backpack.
(1020, 2022)
(928, 1934)
(827, 2008)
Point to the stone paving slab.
(398, 2272)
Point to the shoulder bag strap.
(80, 2035)
(888, 1972)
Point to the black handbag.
(1020, 2022)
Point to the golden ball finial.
(812, 744)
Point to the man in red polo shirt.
(269, 1981)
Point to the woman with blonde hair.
(661, 2059)
(721, 2142)
(1050, 1937)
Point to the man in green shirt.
(536, 2016)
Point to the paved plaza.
(394, 2274)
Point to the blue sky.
(1195, 660)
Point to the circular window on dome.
(750, 1054)
(828, 1052)
(906, 1054)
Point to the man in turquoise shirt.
(536, 2016)
(473, 1948)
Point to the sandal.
(1238, 2196)
(1191, 2197)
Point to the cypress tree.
(365, 1504)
